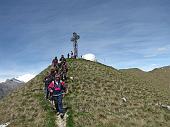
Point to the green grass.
(158, 78)
(96, 92)
(70, 122)
(94, 99)
(22, 107)
(50, 116)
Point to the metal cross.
(75, 44)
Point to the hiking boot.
(57, 113)
(61, 115)
(52, 108)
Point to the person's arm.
(53, 61)
(66, 67)
(63, 86)
(51, 86)
(44, 80)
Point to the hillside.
(94, 100)
(96, 94)
(161, 77)
(133, 71)
(26, 106)
(158, 78)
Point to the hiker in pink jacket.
(57, 87)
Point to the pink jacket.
(52, 85)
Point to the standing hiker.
(55, 62)
(68, 55)
(64, 70)
(57, 87)
(62, 58)
(47, 80)
(72, 55)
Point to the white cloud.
(161, 49)
(149, 56)
(25, 77)
(89, 56)
(156, 52)
(2, 80)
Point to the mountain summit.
(8, 86)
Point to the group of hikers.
(71, 55)
(55, 86)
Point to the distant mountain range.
(8, 86)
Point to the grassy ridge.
(158, 78)
(94, 100)
(96, 92)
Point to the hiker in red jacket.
(57, 87)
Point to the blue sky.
(121, 33)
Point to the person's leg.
(56, 104)
(60, 105)
(65, 75)
(45, 91)
(48, 92)
(62, 76)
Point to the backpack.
(49, 79)
(58, 86)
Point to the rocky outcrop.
(9, 85)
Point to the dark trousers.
(58, 103)
(46, 91)
(64, 76)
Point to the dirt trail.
(61, 122)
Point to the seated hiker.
(47, 80)
(55, 62)
(57, 87)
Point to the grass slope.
(94, 100)
(27, 107)
(158, 78)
